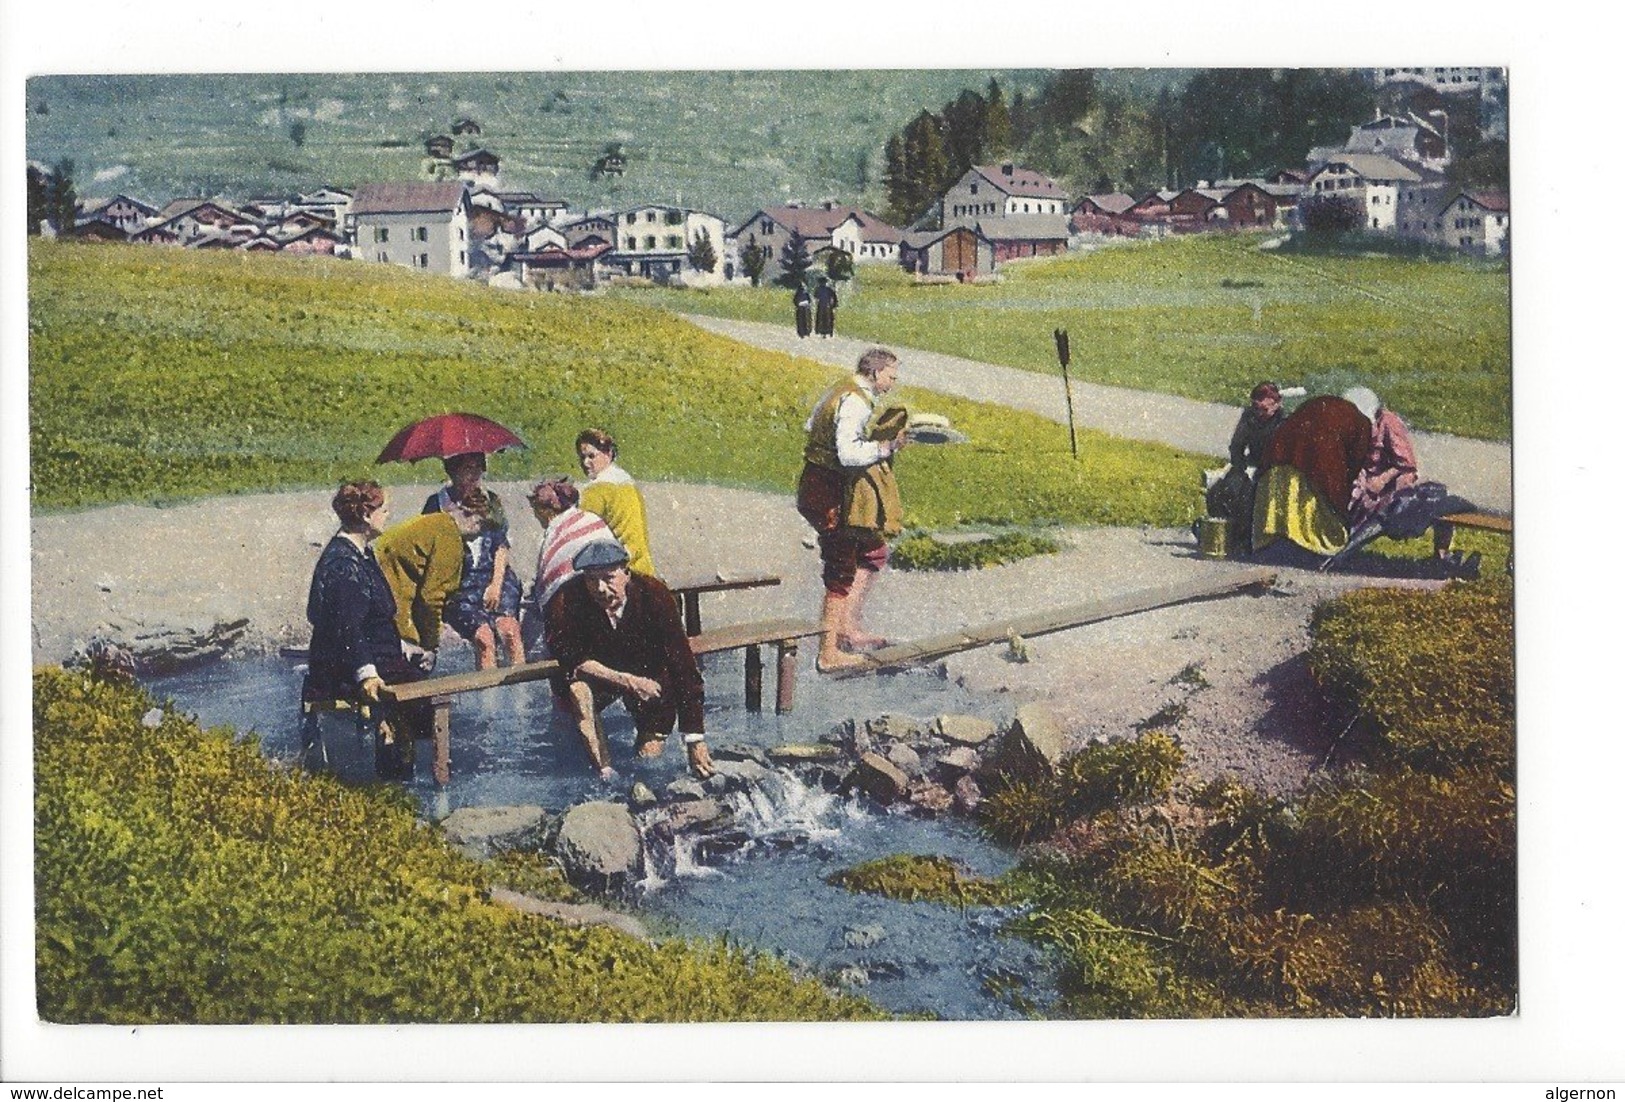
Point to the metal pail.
(1213, 537)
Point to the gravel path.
(1478, 470)
(1229, 671)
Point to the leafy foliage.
(922, 552)
(179, 877)
(1085, 783)
(915, 878)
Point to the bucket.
(1213, 537)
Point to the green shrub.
(180, 877)
(914, 878)
(1086, 782)
(926, 553)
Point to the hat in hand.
(889, 423)
(601, 555)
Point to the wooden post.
(691, 613)
(442, 740)
(787, 677)
(753, 678)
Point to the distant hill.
(727, 142)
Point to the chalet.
(592, 229)
(1250, 204)
(532, 209)
(121, 211)
(1372, 180)
(542, 237)
(466, 125)
(1193, 205)
(191, 220)
(418, 225)
(986, 193)
(551, 266)
(1104, 215)
(1477, 222)
(1405, 138)
(477, 165)
(654, 242)
(329, 203)
(963, 252)
(440, 147)
(314, 240)
(99, 229)
(825, 226)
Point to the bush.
(923, 552)
(180, 877)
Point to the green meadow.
(1205, 317)
(160, 374)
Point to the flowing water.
(769, 892)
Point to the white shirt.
(852, 447)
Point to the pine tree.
(702, 254)
(996, 128)
(899, 196)
(927, 163)
(795, 262)
(964, 126)
(753, 262)
(838, 266)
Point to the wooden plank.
(720, 585)
(901, 655)
(735, 636)
(455, 683)
(1489, 522)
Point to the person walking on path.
(848, 493)
(827, 301)
(618, 636)
(803, 304)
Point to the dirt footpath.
(1226, 676)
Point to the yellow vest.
(820, 450)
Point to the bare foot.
(864, 640)
(839, 661)
(652, 748)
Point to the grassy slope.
(162, 373)
(1178, 317)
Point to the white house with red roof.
(1476, 222)
(823, 226)
(423, 225)
(1024, 213)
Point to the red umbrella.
(448, 434)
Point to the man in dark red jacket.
(618, 636)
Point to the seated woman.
(1231, 496)
(567, 529)
(611, 493)
(485, 606)
(355, 647)
(1306, 476)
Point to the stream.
(770, 893)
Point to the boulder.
(599, 846)
(850, 735)
(964, 730)
(482, 832)
(1032, 747)
(957, 762)
(642, 797)
(160, 648)
(699, 815)
(930, 796)
(877, 777)
(735, 776)
(904, 757)
(899, 728)
(571, 914)
(684, 788)
(710, 848)
(863, 937)
(796, 754)
(967, 795)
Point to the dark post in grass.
(1064, 350)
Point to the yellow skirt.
(1287, 505)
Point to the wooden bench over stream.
(688, 593)
(783, 634)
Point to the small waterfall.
(783, 807)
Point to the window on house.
(631, 218)
(674, 241)
(631, 243)
(380, 234)
(674, 218)
(648, 216)
(383, 257)
(462, 258)
(421, 233)
(767, 229)
(973, 189)
(649, 241)
(421, 260)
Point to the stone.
(482, 832)
(863, 937)
(163, 648)
(899, 727)
(957, 762)
(710, 848)
(877, 777)
(967, 795)
(642, 797)
(571, 914)
(153, 718)
(852, 976)
(684, 788)
(930, 796)
(904, 757)
(964, 730)
(849, 735)
(796, 754)
(1032, 747)
(708, 814)
(599, 846)
(741, 752)
(735, 776)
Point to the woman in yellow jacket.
(611, 493)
